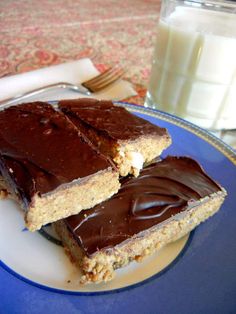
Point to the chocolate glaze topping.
(113, 121)
(162, 190)
(40, 149)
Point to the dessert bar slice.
(168, 200)
(51, 169)
(127, 139)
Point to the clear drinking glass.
(194, 63)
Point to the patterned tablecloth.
(35, 34)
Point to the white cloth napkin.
(74, 72)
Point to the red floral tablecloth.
(35, 34)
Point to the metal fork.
(96, 84)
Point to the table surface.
(36, 34)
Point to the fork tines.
(105, 79)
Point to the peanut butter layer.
(163, 190)
(41, 151)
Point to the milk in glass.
(194, 67)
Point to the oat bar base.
(68, 201)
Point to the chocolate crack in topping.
(162, 190)
(107, 118)
(40, 149)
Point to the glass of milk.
(194, 63)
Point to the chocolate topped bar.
(113, 121)
(127, 139)
(42, 152)
(162, 191)
(168, 200)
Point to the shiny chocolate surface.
(162, 190)
(113, 121)
(40, 149)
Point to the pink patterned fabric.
(34, 34)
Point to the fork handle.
(38, 91)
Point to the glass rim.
(227, 4)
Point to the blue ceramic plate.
(197, 274)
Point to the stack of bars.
(90, 168)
